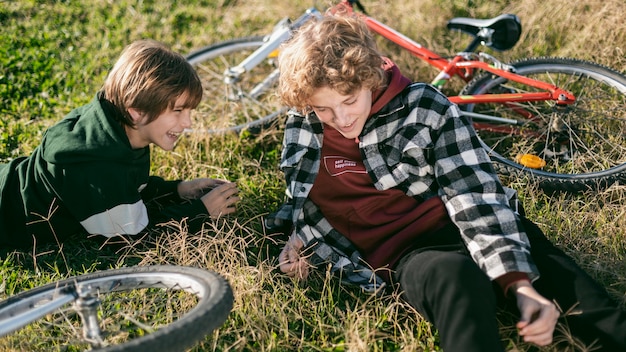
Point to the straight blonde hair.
(150, 77)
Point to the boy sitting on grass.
(91, 171)
(388, 184)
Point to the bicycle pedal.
(530, 161)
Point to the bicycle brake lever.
(496, 63)
(285, 22)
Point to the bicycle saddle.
(506, 28)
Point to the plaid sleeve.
(326, 246)
(323, 244)
(474, 196)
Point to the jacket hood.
(89, 133)
(396, 82)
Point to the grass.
(55, 55)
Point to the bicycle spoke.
(586, 137)
(124, 316)
(240, 102)
(154, 308)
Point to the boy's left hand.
(538, 315)
(222, 200)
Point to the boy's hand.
(221, 200)
(538, 315)
(194, 189)
(290, 260)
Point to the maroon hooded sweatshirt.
(383, 225)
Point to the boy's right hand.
(221, 200)
(290, 260)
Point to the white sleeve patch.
(124, 219)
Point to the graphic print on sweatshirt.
(339, 165)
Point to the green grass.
(55, 55)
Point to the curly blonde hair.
(338, 52)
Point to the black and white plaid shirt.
(418, 143)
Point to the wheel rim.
(233, 106)
(133, 307)
(579, 141)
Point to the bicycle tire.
(583, 145)
(235, 106)
(126, 287)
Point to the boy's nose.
(341, 118)
(186, 120)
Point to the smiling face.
(164, 130)
(345, 113)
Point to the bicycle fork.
(86, 306)
(282, 31)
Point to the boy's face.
(345, 113)
(164, 131)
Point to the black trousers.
(446, 286)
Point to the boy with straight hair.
(91, 172)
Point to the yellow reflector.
(273, 54)
(531, 161)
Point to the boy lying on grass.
(91, 171)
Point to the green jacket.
(84, 176)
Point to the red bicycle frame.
(463, 68)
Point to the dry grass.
(271, 312)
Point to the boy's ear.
(135, 114)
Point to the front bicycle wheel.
(573, 148)
(229, 104)
(151, 308)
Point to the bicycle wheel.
(572, 148)
(151, 308)
(230, 105)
